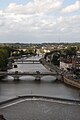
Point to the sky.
(39, 21)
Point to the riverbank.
(71, 81)
(66, 79)
(49, 66)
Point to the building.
(71, 63)
(76, 62)
(65, 64)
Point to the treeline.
(4, 55)
(20, 52)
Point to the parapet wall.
(71, 82)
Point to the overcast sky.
(39, 21)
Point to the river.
(27, 84)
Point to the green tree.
(70, 51)
(4, 55)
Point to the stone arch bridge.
(19, 61)
(38, 75)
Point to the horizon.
(40, 43)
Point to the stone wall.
(71, 82)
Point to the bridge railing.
(27, 73)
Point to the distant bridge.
(16, 75)
(23, 61)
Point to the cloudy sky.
(39, 21)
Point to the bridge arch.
(30, 77)
(37, 75)
(48, 77)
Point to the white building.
(65, 65)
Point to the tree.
(4, 55)
(70, 51)
(56, 58)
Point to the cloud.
(37, 19)
(35, 6)
(69, 24)
(40, 23)
(72, 8)
(29, 17)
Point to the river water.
(28, 86)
